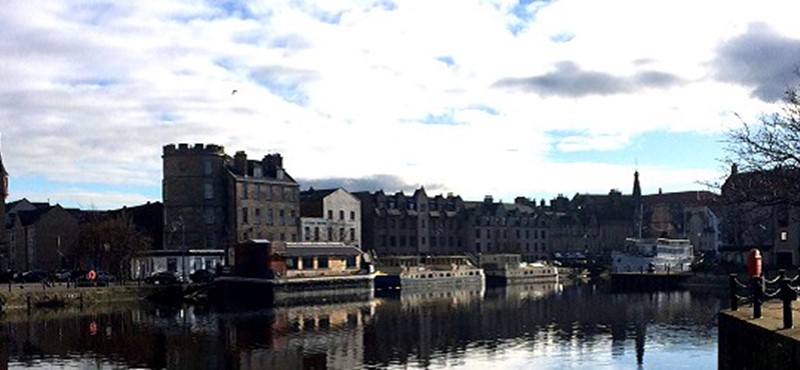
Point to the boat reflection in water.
(523, 326)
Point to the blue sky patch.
(286, 88)
(654, 148)
(446, 59)
(562, 37)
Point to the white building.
(332, 215)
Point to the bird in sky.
(233, 92)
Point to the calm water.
(530, 327)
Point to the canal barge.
(505, 269)
(412, 272)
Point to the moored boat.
(505, 269)
(403, 272)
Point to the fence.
(760, 289)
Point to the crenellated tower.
(194, 196)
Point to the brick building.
(212, 200)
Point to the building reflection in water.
(422, 329)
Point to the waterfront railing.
(760, 289)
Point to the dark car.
(202, 276)
(33, 276)
(162, 278)
(62, 275)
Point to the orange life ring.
(91, 275)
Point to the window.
(291, 263)
(341, 234)
(784, 235)
(283, 237)
(209, 215)
(244, 190)
(330, 234)
(257, 191)
(282, 217)
(350, 261)
(207, 166)
(269, 217)
(477, 233)
(322, 262)
(244, 215)
(209, 190)
(352, 215)
(257, 215)
(307, 233)
(316, 233)
(330, 214)
(341, 214)
(292, 217)
(307, 263)
(352, 234)
(269, 192)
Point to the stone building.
(212, 200)
(40, 236)
(519, 228)
(758, 212)
(330, 215)
(411, 225)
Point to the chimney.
(240, 162)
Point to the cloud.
(388, 183)
(761, 60)
(569, 80)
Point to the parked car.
(62, 275)
(202, 276)
(162, 278)
(104, 277)
(33, 276)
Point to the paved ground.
(771, 317)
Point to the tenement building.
(212, 199)
(519, 228)
(330, 215)
(399, 224)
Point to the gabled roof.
(314, 194)
(28, 218)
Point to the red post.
(754, 263)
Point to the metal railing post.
(758, 292)
(734, 299)
(787, 295)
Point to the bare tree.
(765, 157)
(110, 241)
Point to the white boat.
(653, 255)
(504, 269)
(431, 271)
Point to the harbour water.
(543, 326)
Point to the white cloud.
(92, 93)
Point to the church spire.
(638, 207)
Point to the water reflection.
(542, 326)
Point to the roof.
(320, 249)
(683, 197)
(313, 194)
(28, 218)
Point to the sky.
(475, 98)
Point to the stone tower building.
(194, 196)
(212, 200)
